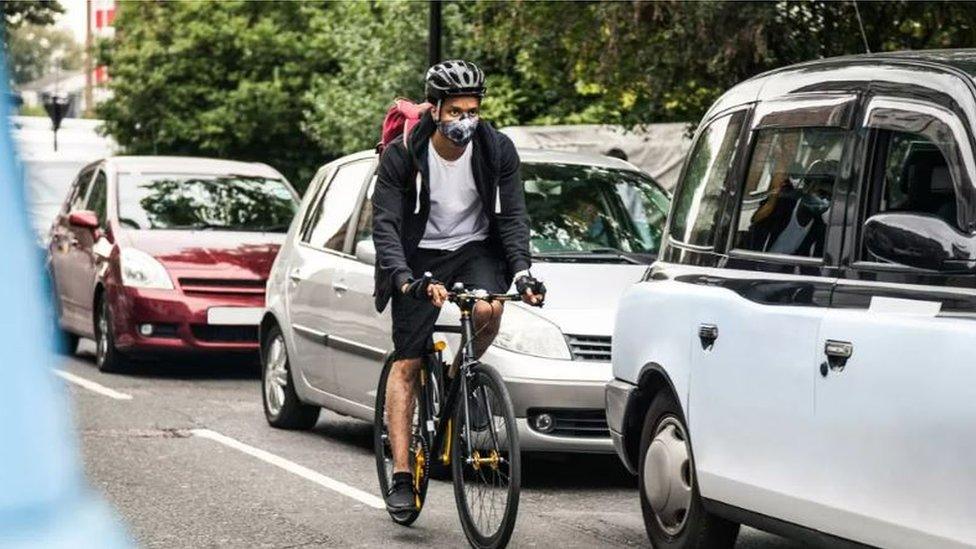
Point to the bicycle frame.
(441, 445)
(459, 385)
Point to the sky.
(73, 18)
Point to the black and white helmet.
(455, 77)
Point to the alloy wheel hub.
(102, 344)
(276, 375)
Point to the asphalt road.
(164, 460)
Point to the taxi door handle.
(707, 333)
(838, 353)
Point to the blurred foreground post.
(44, 499)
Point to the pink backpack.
(399, 120)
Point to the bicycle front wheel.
(485, 460)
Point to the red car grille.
(222, 286)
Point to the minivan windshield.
(204, 201)
(579, 210)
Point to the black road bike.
(467, 424)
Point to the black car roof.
(836, 72)
(963, 60)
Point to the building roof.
(49, 80)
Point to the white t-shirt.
(457, 215)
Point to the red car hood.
(210, 254)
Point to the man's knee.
(488, 316)
(406, 369)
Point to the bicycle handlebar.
(459, 293)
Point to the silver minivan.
(596, 225)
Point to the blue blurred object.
(44, 501)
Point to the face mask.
(814, 204)
(459, 131)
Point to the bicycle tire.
(468, 476)
(384, 465)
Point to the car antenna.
(860, 23)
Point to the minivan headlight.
(528, 333)
(141, 270)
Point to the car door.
(94, 248)
(70, 258)
(751, 386)
(894, 426)
(312, 275)
(363, 337)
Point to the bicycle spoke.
(486, 478)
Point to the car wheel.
(673, 512)
(282, 408)
(107, 357)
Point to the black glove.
(528, 282)
(417, 287)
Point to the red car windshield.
(199, 202)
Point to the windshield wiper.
(279, 228)
(196, 227)
(596, 253)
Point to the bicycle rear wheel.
(485, 461)
(419, 446)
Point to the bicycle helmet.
(452, 78)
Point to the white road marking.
(92, 386)
(294, 468)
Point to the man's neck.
(445, 148)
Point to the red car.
(158, 255)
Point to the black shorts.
(475, 265)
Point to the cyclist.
(449, 201)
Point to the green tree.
(34, 50)
(379, 48)
(296, 83)
(33, 12)
(225, 79)
(636, 62)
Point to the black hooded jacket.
(401, 203)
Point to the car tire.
(674, 515)
(107, 356)
(282, 408)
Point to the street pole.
(434, 33)
(88, 58)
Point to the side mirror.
(366, 251)
(921, 241)
(84, 219)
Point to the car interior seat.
(928, 185)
